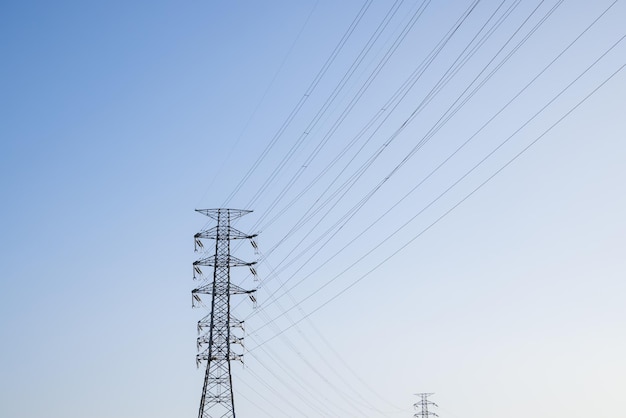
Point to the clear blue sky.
(120, 118)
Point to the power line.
(260, 102)
(359, 205)
(304, 98)
(437, 220)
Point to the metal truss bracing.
(215, 331)
(217, 213)
(422, 406)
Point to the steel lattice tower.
(422, 406)
(215, 336)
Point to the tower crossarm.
(236, 340)
(425, 403)
(236, 323)
(206, 322)
(226, 261)
(229, 213)
(215, 233)
(204, 356)
(208, 290)
(236, 290)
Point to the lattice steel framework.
(422, 406)
(214, 330)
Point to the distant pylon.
(422, 406)
(214, 330)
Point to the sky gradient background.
(120, 118)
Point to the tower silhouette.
(215, 336)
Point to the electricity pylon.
(422, 406)
(214, 330)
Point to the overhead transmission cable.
(397, 97)
(329, 346)
(321, 406)
(553, 61)
(338, 88)
(359, 173)
(327, 382)
(260, 102)
(349, 400)
(257, 407)
(570, 45)
(442, 121)
(350, 106)
(345, 187)
(324, 360)
(473, 191)
(459, 148)
(356, 63)
(421, 68)
(387, 109)
(311, 88)
(284, 399)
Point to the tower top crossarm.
(232, 213)
(422, 406)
